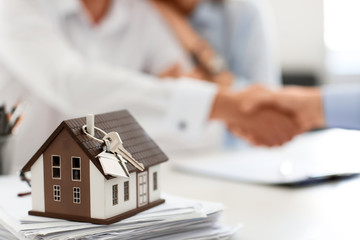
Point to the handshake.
(267, 117)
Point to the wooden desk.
(328, 211)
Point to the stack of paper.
(5, 234)
(178, 218)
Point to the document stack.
(177, 218)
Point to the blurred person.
(70, 58)
(235, 33)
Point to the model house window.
(56, 190)
(155, 179)
(76, 193)
(126, 191)
(76, 173)
(115, 194)
(56, 170)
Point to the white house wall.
(37, 185)
(97, 193)
(154, 194)
(122, 206)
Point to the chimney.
(90, 124)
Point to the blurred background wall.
(318, 40)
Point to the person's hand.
(223, 79)
(266, 126)
(304, 103)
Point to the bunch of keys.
(113, 160)
(113, 165)
(116, 146)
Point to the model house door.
(142, 189)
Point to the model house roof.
(135, 139)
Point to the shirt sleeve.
(342, 105)
(45, 63)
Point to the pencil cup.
(5, 161)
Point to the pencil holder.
(5, 161)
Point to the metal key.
(113, 164)
(116, 146)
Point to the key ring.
(84, 129)
(103, 141)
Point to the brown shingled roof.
(134, 138)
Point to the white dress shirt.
(64, 66)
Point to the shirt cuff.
(189, 108)
(342, 106)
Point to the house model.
(69, 179)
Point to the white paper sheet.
(310, 155)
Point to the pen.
(16, 123)
(15, 117)
(23, 194)
(14, 107)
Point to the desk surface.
(327, 211)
